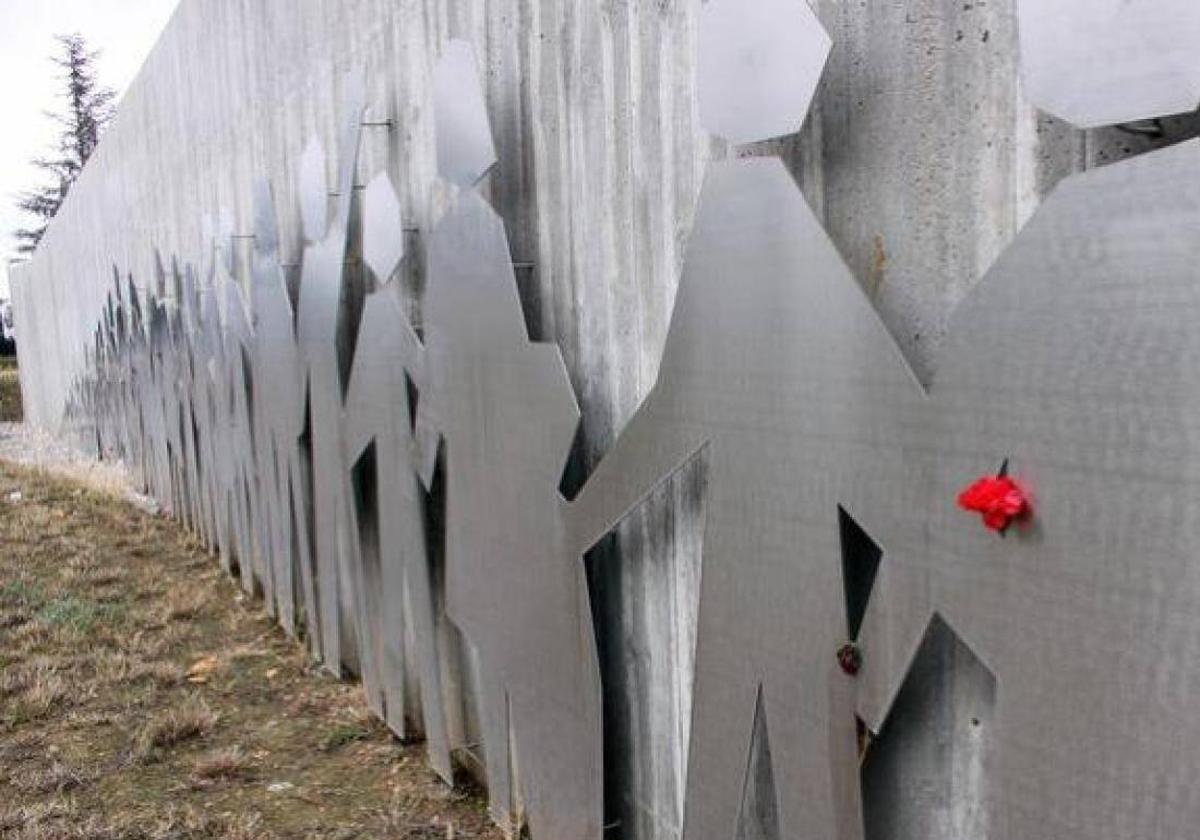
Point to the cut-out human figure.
(180, 353)
(729, 391)
(395, 585)
(240, 501)
(770, 608)
(164, 389)
(220, 445)
(162, 351)
(227, 445)
(147, 407)
(151, 399)
(127, 347)
(506, 414)
(183, 336)
(1074, 360)
(506, 411)
(320, 314)
(206, 334)
(104, 354)
(113, 403)
(278, 408)
(210, 358)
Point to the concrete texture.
(920, 155)
(926, 775)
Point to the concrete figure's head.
(236, 322)
(1103, 62)
(473, 291)
(216, 234)
(136, 321)
(314, 191)
(759, 65)
(465, 148)
(314, 185)
(266, 230)
(383, 229)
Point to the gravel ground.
(22, 444)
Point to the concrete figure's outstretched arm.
(647, 453)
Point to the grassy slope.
(104, 611)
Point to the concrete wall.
(920, 155)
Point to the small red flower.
(998, 498)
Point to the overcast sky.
(124, 30)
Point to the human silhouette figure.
(282, 481)
(239, 497)
(505, 411)
(728, 392)
(1073, 360)
(395, 589)
(507, 414)
(183, 331)
(151, 399)
(210, 359)
(318, 322)
(769, 620)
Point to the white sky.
(124, 30)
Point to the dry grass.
(10, 395)
(63, 821)
(183, 605)
(191, 720)
(21, 748)
(33, 691)
(118, 668)
(223, 765)
(57, 778)
(142, 696)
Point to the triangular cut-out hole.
(926, 776)
(574, 473)
(414, 396)
(758, 817)
(860, 563)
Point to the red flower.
(998, 498)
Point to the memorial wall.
(738, 419)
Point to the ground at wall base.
(141, 696)
(10, 390)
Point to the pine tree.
(88, 109)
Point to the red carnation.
(998, 498)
